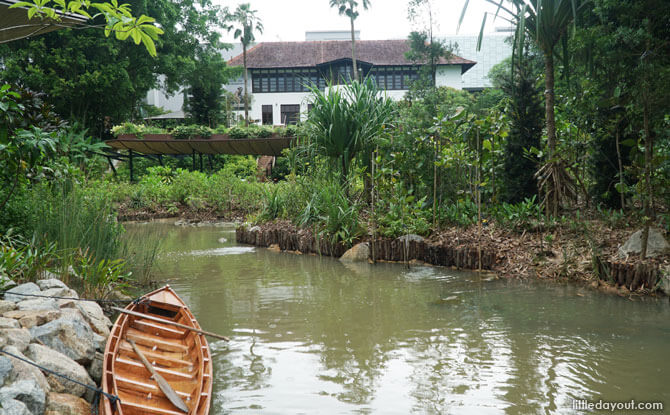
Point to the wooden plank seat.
(158, 329)
(132, 382)
(151, 340)
(164, 359)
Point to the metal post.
(211, 165)
(130, 160)
(160, 160)
(111, 165)
(193, 168)
(200, 156)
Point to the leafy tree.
(205, 100)
(73, 66)
(524, 110)
(245, 23)
(118, 18)
(547, 23)
(424, 47)
(625, 55)
(349, 8)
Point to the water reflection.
(311, 335)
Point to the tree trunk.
(436, 144)
(246, 95)
(353, 50)
(648, 160)
(618, 156)
(552, 182)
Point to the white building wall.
(276, 100)
(449, 76)
(494, 49)
(169, 103)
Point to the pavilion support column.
(200, 156)
(111, 165)
(160, 160)
(130, 161)
(211, 165)
(193, 168)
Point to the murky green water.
(313, 336)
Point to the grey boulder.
(70, 335)
(65, 366)
(27, 288)
(27, 391)
(13, 407)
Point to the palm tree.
(348, 8)
(245, 23)
(547, 23)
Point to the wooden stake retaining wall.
(459, 257)
(632, 276)
(385, 249)
(288, 240)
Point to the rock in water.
(357, 253)
(656, 244)
(27, 391)
(63, 365)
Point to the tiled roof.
(310, 54)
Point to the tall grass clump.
(331, 214)
(76, 220)
(140, 249)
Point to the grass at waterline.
(73, 231)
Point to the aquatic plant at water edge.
(99, 277)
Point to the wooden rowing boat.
(181, 356)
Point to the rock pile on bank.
(65, 336)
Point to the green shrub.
(22, 260)
(291, 131)
(461, 213)
(100, 277)
(519, 216)
(221, 129)
(243, 167)
(329, 212)
(184, 132)
(238, 132)
(139, 130)
(403, 214)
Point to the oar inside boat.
(162, 383)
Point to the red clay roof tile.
(310, 54)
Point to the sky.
(288, 20)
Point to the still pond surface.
(311, 335)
